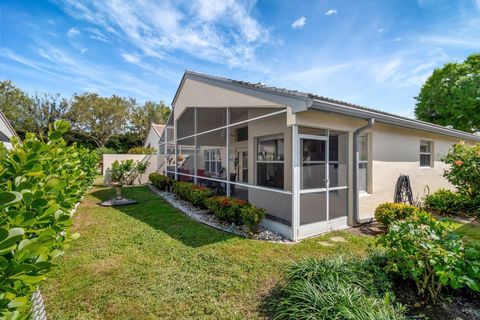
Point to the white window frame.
(282, 135)
(429, 153)
(366, 136)
(213, 159)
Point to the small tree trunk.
(118, 191)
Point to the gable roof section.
(302, 101)
(12, 131)
(158, 128)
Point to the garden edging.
(204, 217)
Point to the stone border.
(206, 218)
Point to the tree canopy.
(451, 96)
(98, 121)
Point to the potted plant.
(119, 174)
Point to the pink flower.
(458, 163)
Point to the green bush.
(421, 249)
(446, 202)
(463, 171)
(141, 150)
(386, 213)
(41, 183)
(192, 193)
(236, 211)
(252, 217)
(160, 181)
(336, 288)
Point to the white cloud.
(130, 58)
(73, 32)
(299, 23)
(83, 51)
(219, 31)
(380, 30)
(458, 41)
(477, 3)
(397, 39)
(331, 12)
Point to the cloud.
(331, 12)
(477, 3)
(299, 23)
(218, 31)
(73, 32)
(459, 41)
(130, 58)
(83, 51)
(397, 39)
(380, 30)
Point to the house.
(315, 164)
(6, 131)
(153, 136)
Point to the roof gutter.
(356, 215)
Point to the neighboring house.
(153, 136)
(315, 164)
(6, 131)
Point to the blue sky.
(373, 53)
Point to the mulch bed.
(453, 305)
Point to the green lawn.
(469, 231)
(149, 261)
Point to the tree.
(43, 110)
(12, 102)
(31, 114)
(101, 117)
(143, 116)
(451, 96)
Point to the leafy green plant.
(463, 171)
(336, 288)
(252, 217)
(446, 202)
(421, 249)
(141, 150)
(160, 181)
(386, 213)
(193, 193)
(40, 184)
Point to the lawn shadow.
(161, 216)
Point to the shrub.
(192, 193)
(335, 288)
(387, 213)
(41, 183)
(141, 150)
(160, 181)
(446, 202)
(252, 217)
(236, 211)
(463, 171)
(421, 249)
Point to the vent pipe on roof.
(356, 215)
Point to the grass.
(149, 261)
(469, 231)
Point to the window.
(242, 134)
(270, 156)
(426, 148)
(213, 160)
(362, 162)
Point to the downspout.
(356, 215)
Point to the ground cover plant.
(387, 213)
(336, 288)
(41, 181)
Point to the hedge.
(160, 181)
(226, 209)
(40, 184)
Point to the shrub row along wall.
(227, 209)
(40, 184)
